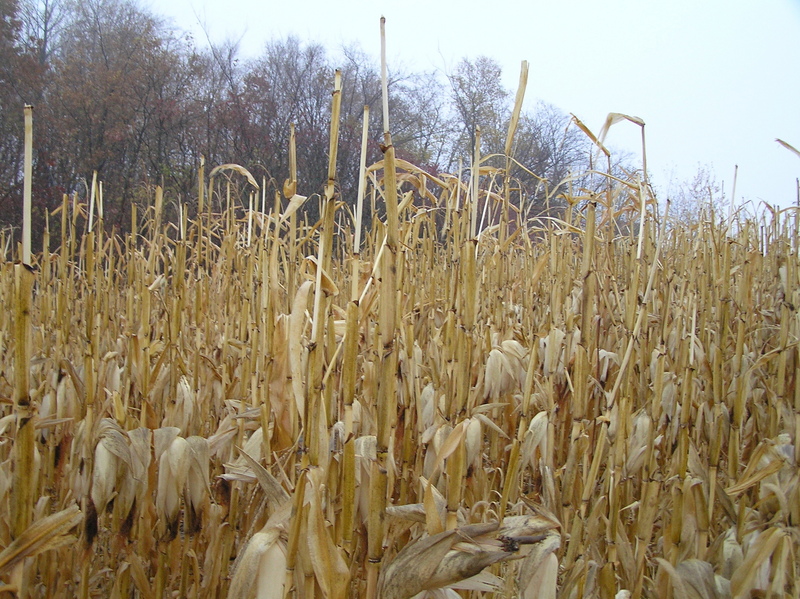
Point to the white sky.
(716, 81)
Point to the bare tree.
(479, 100)
(121, 93)
(43, 22)
(19, 77)
(112, 93)
(698, 198)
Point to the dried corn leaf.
(276, 495)
(435, 508)
(453, 441)
(294, 204)
(789, 147)
(140, 577)
(414, 512)
(328, 286)
(45, 534)
(755, 476)
(758, 553)
(698, 579)
(330, 567)
(485, 582)
(236, 168)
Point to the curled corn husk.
(538, 573)
(413, 568)
(552, 349)
(535, 437)
(330, 567)
(133, 488)
(500, 375)
(179, 412)
(173, 470)
(297, 353)
(104, 476)
(426, 408)
(543, 581)
(692, 579)
(446, 558)
(197, 482)
(474, 441)
(112, 459)
(260, 572)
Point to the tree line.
(119, 92)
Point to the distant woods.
(116, 90)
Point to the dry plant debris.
(601, 403)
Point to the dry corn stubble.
(624, 384)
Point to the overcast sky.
(715, 81)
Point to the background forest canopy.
(118, 91)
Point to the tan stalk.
(387, 366)
(472, 220)
(588, 278)
(320, 313)
(512, 129)
(23, 481)
(23, 484)
(349, 356)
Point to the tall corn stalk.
(24, 481)
(387, 336)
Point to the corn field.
(448, 401)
